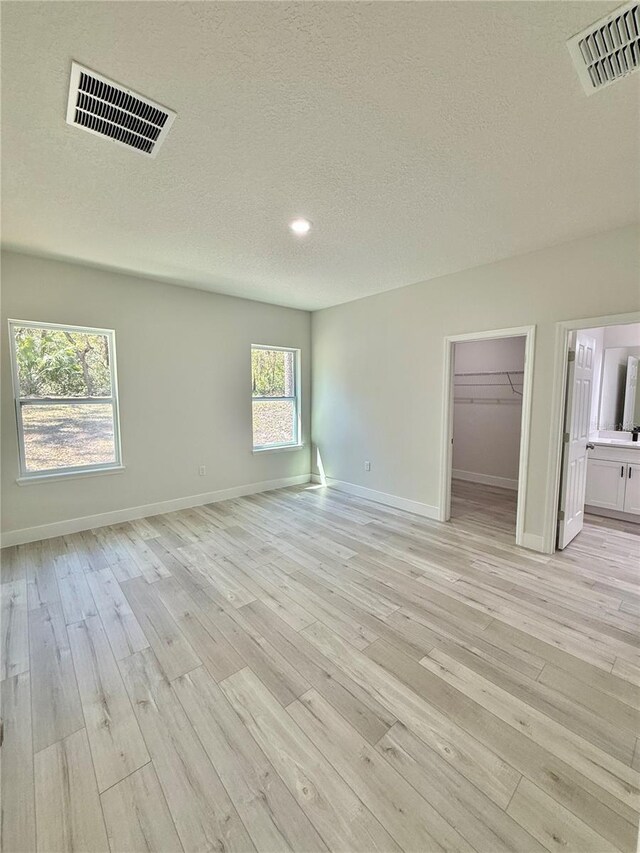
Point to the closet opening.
(486, 429)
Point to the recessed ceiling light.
(300, 226)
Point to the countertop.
(615, 442)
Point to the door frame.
(558, 403)
(446, 454)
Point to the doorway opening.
(488, 382)
(600, 470)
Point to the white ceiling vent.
(609, 49)
(100, 106)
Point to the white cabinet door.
(632, 491)
(606, 483)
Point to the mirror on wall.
(619, 398)
(631, 401)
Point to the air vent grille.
(609, 49)
(103, 107)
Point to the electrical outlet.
(202, 470)
(367, 466)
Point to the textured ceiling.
(420, 138)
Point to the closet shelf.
(489, 379)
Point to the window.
(275, 397)
(64, 381)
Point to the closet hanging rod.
(485, 384)
(504, 401)
(491, 373)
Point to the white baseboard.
(89, 522)
(486, 479)
(380, 497)
(529, 540)
(612, 513)
(535, 543)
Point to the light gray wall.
(184, 380)
(486, 436)
(378, 362)
(622, 336)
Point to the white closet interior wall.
(487, 410)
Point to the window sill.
(68, 475)
(283, 449)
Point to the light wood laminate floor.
(304, 670)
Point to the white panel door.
(574, 458)
(632, 491)
(606, 484)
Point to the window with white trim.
(65, 388)
(275, 388)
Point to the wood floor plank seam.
(375, 746)
(85, 724)
(361, 827)
(113, 784)
(506, 808)
(124, 814)
(149, 763)
(202, 812)
(258, 757)
(359, 783)
(561, 773)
